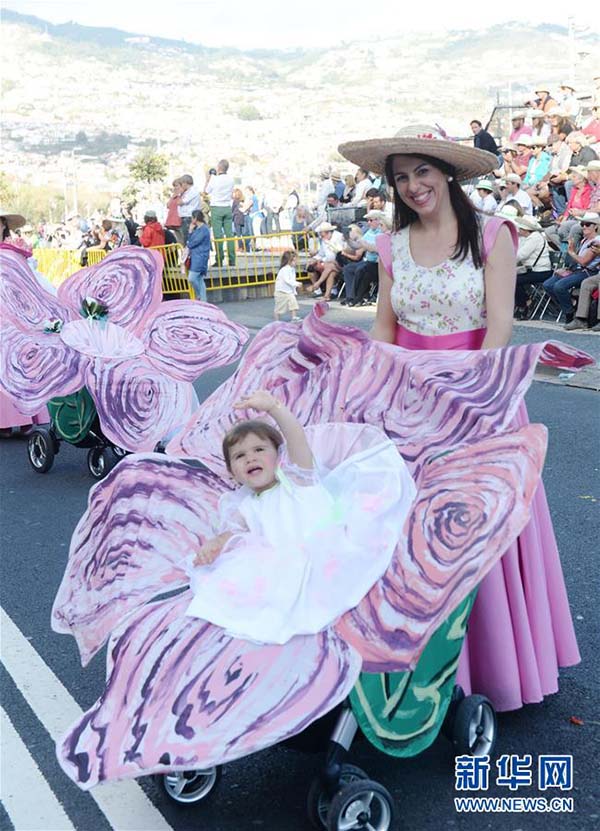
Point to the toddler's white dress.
(309, 548)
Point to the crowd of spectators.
(548, 183)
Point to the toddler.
(286, 287)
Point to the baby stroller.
(384, 708)
(75, 421)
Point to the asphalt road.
(268, 790)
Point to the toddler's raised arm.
(299, 451)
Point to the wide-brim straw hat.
(419, 140)
(590, 216)
(579, 169)
(13, 221)
(484, 184)
(325, 226)
(593, 165)
(508, 212)
(528, 223)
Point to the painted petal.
(182, 694)
(138, 407)
(24, 303)
(185, 338)
(101, 339)
(471, 505)
(127, 281)
(142, 527)
(561, 356)
(34, 369)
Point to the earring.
(450, 178)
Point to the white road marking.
(124, 804)
(27, 797)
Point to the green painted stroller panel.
(73, 415)
(401, 713)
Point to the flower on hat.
(136, 357)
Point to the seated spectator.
(519, 128)
(592, 129)
(371, 194)
(593, 173)
(367, 273)
(338, 185)
(521, 161)
(483, 196)
(545, 102)
(509, 153)
(323, 268)
(577, 205)
(560, 125)
(533, 261)
(152, 234)
(482, 139)
(301, 223)
(540, 128)
(588, 287)
(539, 164)
(382, 203)
(363, 183)
(349, 189)
(567, 102)
(587, 262)
(513, 191)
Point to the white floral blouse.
(446, 298)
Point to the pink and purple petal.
(137, 407)
(127, 282)
(471, 505)
(137, 539)
(185, 338)
(23, 301)
(101, 339)
(34, 369)
(181, 694)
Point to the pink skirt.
(521, 629)
(11, 417)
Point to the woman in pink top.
(173, 220)
(446, 281)
(10, 417)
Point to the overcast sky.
(281, 23)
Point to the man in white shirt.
(219, 189)
(190, 201)
(513, 191)
(363, 183)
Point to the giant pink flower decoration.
(181, 693)
(136, 356)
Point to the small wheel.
(318, 800)
(40, 450)
(475, 727)
(188, 786)
(97, 462)
(360, 806)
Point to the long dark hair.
(469, 230)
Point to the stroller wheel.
(475, 727)
(189, 786)
(361, 805)
(319, 801)
(40, 450)
(118, 452)
(97, 462)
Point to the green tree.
(249, 113)
(149, 167)
(7, 193)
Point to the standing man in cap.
(189, 201)
(519, 128)
(546, 102)
(219, 188)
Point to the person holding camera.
(189, 201)
(219, 189)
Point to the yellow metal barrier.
(256, 265)
(56, 264)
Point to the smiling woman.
(446, 281)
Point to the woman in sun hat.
(10, 418)
(447, 281)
